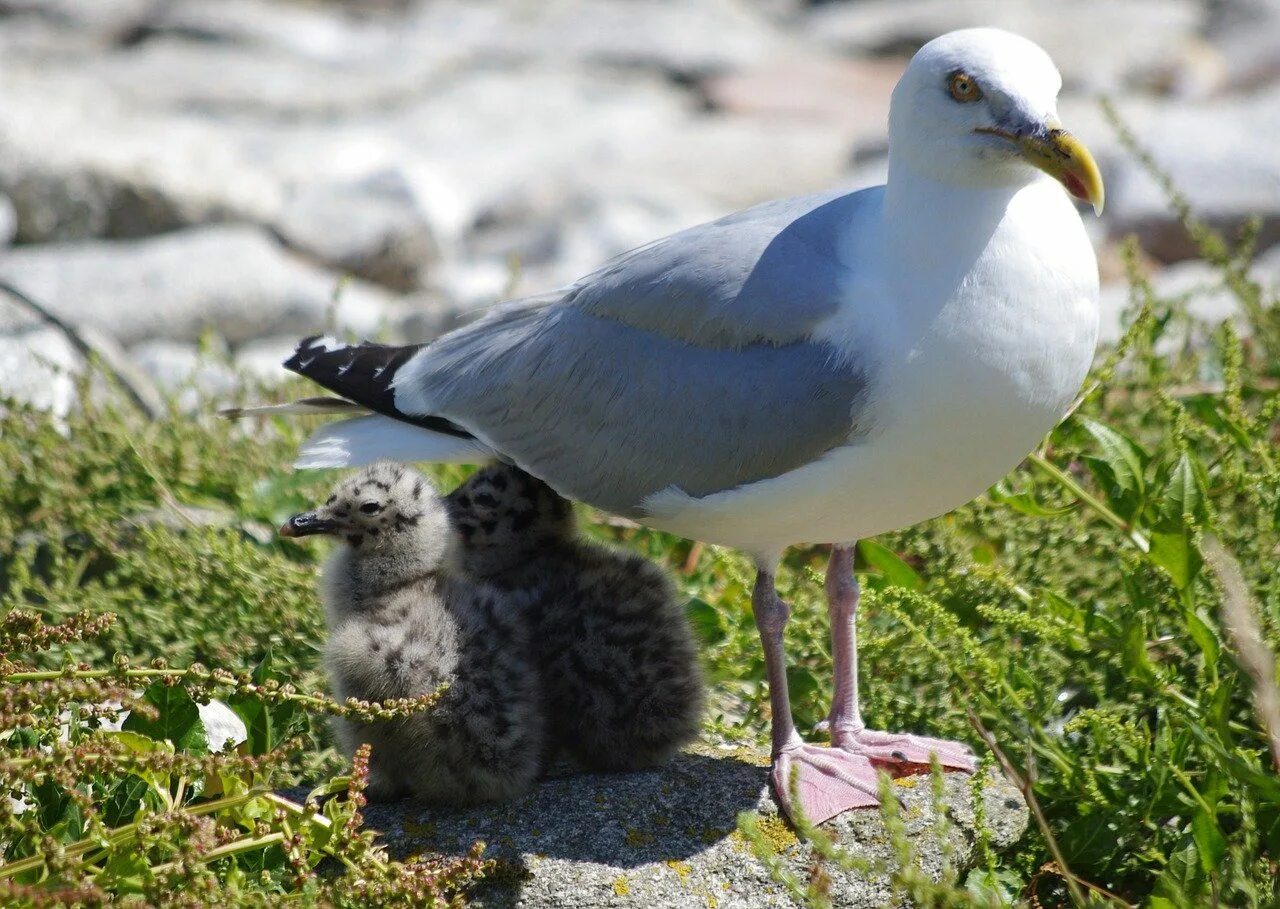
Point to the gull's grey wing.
(686, 363)
(768, 273)
(610, 414)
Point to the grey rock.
(261, 359)
(78, 161)
(1198, 293)
(1097, 44)
(249, 81)
(1219, 154)
(184, 372)
(304, 29)
(682, 37)
(106, 21)
(8, 221)
(668, 837)
(373, 228)
(231, 279)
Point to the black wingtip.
(363, 373)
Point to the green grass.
(1086, 614)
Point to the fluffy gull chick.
(619, 670)
(402, 622)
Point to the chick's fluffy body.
(403, 622)
(619, 670)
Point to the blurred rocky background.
(196, 183)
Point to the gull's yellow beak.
(1063, 157)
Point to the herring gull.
(818, 369)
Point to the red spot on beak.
(1076, 186)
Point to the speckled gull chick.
(819, 369)
(616, 659)
(403, 620)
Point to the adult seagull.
(819, 369)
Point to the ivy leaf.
(891, 567)
(177, 719)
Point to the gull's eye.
(371, 508)
(964, 88)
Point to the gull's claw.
(828, 781)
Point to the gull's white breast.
(971, 369)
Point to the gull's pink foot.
(828, 781)
(904, 750)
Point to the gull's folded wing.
(687, 363)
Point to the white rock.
(1097, 44)
(39, 366)
(232, 279)
(223, 729)
(682, 37)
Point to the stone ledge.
(669, 837)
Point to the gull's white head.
(979, 107)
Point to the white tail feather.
(363, 440)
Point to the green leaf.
(1175, 551)
(1025, 502)
(1119, 468)
(1203, 635)
(177, 720)
(258, 723)
(123, 800)
(1134, 656)
(267, 725)
(706, 620)
(1182, 881)
(1183, 495)
(801, 684)
(125, 871)
(1210, 843)
(892, 568)
(58, 813)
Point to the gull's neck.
(937, 230)
(915, 200)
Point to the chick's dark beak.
(306, 524)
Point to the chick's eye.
(964, 88)
(371, 508)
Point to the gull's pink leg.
(828, 781)
(848, 733)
